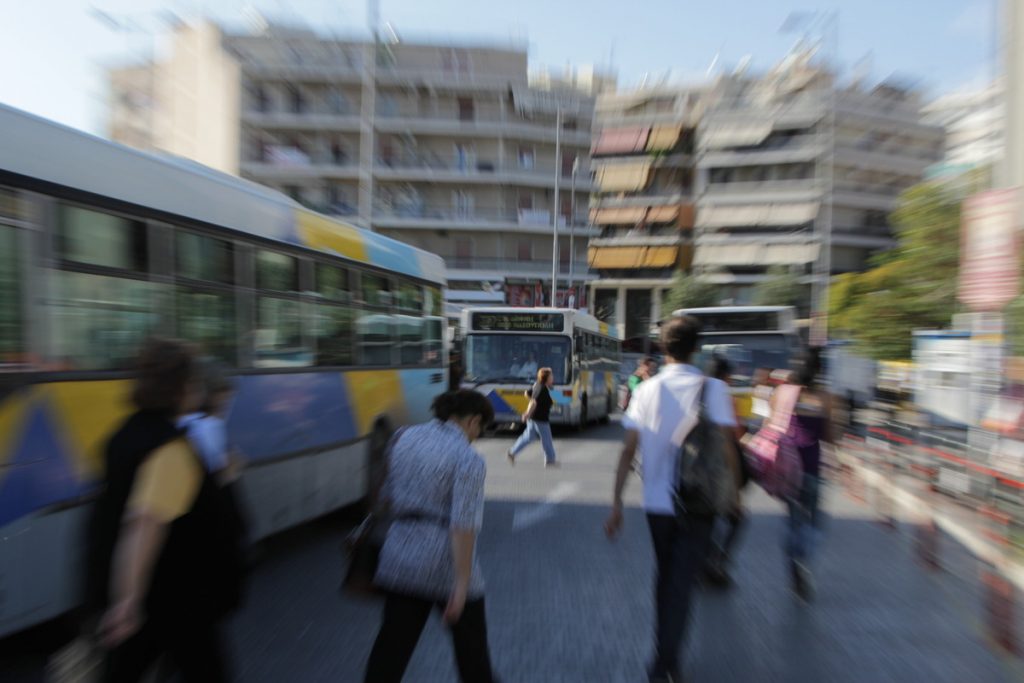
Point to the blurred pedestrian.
(164, 564)
(206, 427)
(811, 425)
(645, 369)
(657, 423)
(538, 420)
(723, 541)
(434, 493)
(456, 371)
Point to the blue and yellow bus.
(335, 335)
(503, 348)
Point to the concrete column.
(620, 312)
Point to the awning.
(662, 214)
(755, 254)
(663, 138)
(619, 216)
(633, 257)
(623, 177)
(756, 214)
(723, 135)
(621, 140)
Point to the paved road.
(564, 604)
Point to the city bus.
(502, 349)
(752, 338)
(334, 336)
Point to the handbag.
(772, 453)
(363, 545)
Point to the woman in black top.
(537, 418)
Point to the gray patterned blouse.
(435, 473)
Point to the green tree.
(782, 287)
(913, 286)
(689, 291)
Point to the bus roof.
(732, 309)
(49, 154)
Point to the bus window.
(11, 341)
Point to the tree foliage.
(689, 291)
(913, 286)
(781, 288)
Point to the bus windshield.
(516, 357)
(747, 353)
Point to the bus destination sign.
(518, 322)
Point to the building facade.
(974, 121)
(444, 147)
(744, 177)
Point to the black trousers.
(680, 549)
(194, 651)
(404, 619)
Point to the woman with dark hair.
(811, 425)
(164, 563)
(434, 494)
(537, 419)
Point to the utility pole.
(572, 225)
(367, 117)
(557, 207)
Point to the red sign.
(989, 263)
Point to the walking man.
(659, 417)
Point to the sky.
(54, 51)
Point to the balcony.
(268, 171)
(446, 217)
(795, 149)
(435, 169)
(636, 240)
(801, 190)
(472, 267)
(302, 121)
(478, 127)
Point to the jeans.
(536, 430)
(404, 619)
(680, 548)
(804, 520)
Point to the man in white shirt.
(660, 416)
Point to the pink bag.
(772, 452)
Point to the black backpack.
(704, 482)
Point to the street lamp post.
(572, 224)
(556, 209)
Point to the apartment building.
(974, 122)
(795, 171)
(644, 202)
(445, 147)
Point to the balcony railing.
(534, 217)
(512, 266)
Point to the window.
(296, 100)
(11, 316)
(466, 110)
(333, 329)
(336, 103)
(99, 239)
(462, 202)
(410, 297)
(387, 105)
(463, 252)
(433, 340)
(463, 157)
(276, 272)
(411, 347)
(525, 201)
(568, 163)
(374, 335)
(376, 290)
(208, 319)
(526, 158)
(261, 101)
(278, 335)
(204, 258)
(524, 250)
(99, 321)
(434, 302)
(332, 283)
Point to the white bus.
(504, 347)
(752, 338)
(334, 336)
